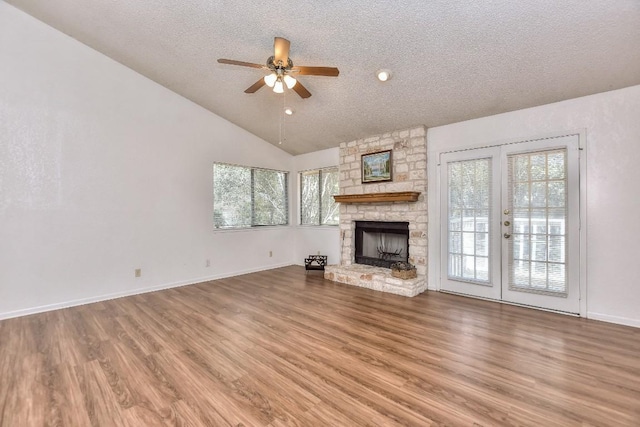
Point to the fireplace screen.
(381, 243)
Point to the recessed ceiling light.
(288, 111)
(383, 75)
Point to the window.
(317, 206)
(249, 197)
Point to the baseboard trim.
(106, 297)
(614, 319)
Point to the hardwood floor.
(279, 348)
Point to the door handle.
(507, 235)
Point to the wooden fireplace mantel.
(401, 196)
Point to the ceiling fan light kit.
(270, 80)
(289, 81)
(275, 81)
(278, 87)
(281, 68)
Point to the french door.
(510, 223)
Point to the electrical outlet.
(270, 254)
(138, 272)
(208, 263)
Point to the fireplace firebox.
(381, 243)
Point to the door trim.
(435, 208)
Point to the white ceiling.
(451, 60)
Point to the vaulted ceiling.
(451, 60)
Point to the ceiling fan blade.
(281, 50)
(301, 90)
(241, 63)
(316, 71)
(254, 87)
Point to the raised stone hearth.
(376, 278)
(381, 202)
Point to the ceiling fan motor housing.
(275, 67)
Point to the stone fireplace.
(364, 207)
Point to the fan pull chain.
(281, 120)
(284, 127)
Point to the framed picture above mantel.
(376, 167)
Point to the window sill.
(318, 227)
(250, 229)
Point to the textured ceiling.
(451, 60)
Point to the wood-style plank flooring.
(281, 348)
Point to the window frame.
(319, 171)
(253, 225)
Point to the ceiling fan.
(282, 70)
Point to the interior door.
(510, 228)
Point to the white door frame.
(435, 209)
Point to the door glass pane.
(482, 269)
(469, 195)
(538, 194)
(537, 198)
(556, 193)
(455, 220)
(556, 165)
(521, 218)
(455, 242)
(521, 169)
(482, 244)
(521, 195)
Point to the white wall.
(612, 124)
(102, 171)
(311, 240)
